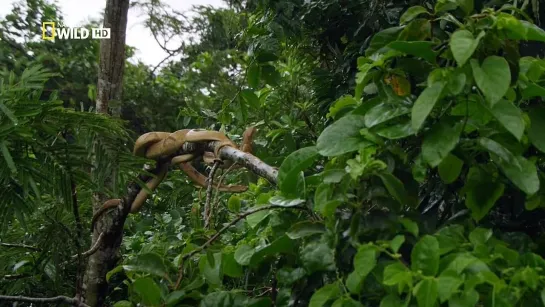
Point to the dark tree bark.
(109, 89)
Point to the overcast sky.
(76, 12)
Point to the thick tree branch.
(50, 300)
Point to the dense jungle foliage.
(409, 138)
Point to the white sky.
(76, 12)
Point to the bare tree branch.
(13, 245)
(233, 222)
(210, 185)
(51, 300)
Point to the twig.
(209, 187)
(233, 222)
(56, 299)
(220, 182)
(12, 245)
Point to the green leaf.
(281, 245)
(396, 131)
(293, 165)
(148, 291)
(218, 299)
(510, 117)
(466, 5)
(318, 256)
(7, 157)
(450, 168)
(345, 102)
(426, 292)
(412, 13)
(468, 298)
(244, 254)
(396, 242)
(230, 266)
(285, 202)
(411, 226)
(536, 130)
(492, 77)
(533, 90)
(425, 256)
(397, 274)
(251, 98)
(365, 261)
(391, 300)
(324, 294)
(342, 136)
(382, 113)
(123, 304)
(463, 45)
(422, 49)
(500, 151)
(448, 283)
(525, 178)
(305, 229)
(394, 186)
(287, 276)
(425, 103)
(383, 38)
(270, 75)
(150, 263)
(440, 141)
(212, 272)
(234, 203)
(481, 192)
(253, 75)
(533, 32)
(8, 113)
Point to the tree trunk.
(109, 89)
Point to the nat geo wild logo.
(51, 32)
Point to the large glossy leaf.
(281, 245)
(150, 263)
(411, 13)
(500, 151)
(148, 291)
(394, 186)
(426, 292)
(510, 117)
(383, 38)
(440, 141)
(425, 256)
(463, 45)
(365, 261)
(212, 272)
(450, 168)
(425, 103)
(524, 177)
(492, 77)
(324, 294)
(382, 113)
(396, 131)
(244, 254)
(305, 229)
(422, 49)
(342, 136)
(230, 266)
(481, 192)
(293, 165)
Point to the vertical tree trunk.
(109, 88)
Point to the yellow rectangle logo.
(45, 25)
